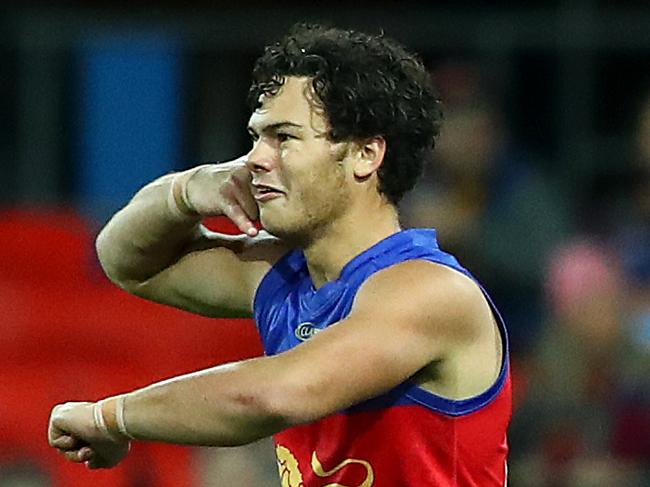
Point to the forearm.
(146, 235)
(227, 405)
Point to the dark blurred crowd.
(571, 274)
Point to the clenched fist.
(74, 432)
(220, 189)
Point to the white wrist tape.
(119, 417)
(100, 423)
(172, 204)
(179, 211)
(185, 198)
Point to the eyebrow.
(274, 127)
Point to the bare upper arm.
(404, 318)
(216, 276)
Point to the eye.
(283, 136)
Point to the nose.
(261, 158)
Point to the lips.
(265, 192)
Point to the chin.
(284, 228)
(274, 224)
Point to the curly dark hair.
(369, 86)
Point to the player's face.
(299, 176)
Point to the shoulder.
(432, 297)
(420, 279)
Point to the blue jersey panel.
(289, 310)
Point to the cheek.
(315, 181)
(325, 193)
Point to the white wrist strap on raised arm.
(185, 198)
(172, 201)
(119, 417)
(178, 200)
(100, 423)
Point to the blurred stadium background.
(540, 185)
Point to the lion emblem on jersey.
(290, 475)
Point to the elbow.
(103, 250)
(293, 405)
(109, 261)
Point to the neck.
(346, 238)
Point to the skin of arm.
(151, 252)
(385, 340)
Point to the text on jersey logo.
(305, 331)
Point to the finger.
(56, 426)
(75, 456)
(53, 430)
(66, 442)
(86, 454)
(244, 197)
(238, 216)
(248, 205)
(242, 191)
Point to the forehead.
(292, 103)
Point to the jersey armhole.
(461, 407)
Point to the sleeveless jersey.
(406, 437)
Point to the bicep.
(388, 337)
(215, 278)
(344, 365)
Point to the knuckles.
(217, 186)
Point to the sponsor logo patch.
(305, 331)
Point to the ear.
(370, 155)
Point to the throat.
(327, 256)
